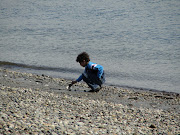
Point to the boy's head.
(83, 58)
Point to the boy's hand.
(69, 87)
(73, 82)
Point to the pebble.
(152, 126)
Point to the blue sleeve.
(79, 79)
(97, 67)
(100, 71)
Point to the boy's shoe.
(91, 91)
(98, 89)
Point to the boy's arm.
(79, 79)
(99, 68)
(100, 71)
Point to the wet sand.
(39, 104)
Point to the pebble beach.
(40, 104)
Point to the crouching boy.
(93, 74)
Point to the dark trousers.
(92, 80)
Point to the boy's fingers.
(73, 82)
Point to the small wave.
(19, 65)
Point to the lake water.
(137, 42)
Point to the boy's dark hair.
(83, 56)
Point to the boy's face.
(83, 63)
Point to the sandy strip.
(39, 104)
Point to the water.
(137, 42)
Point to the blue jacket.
(94, 68)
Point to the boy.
(93, 74)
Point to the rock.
(152, 126)
(135, 98)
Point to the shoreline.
(35, 70)
(109, 110)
